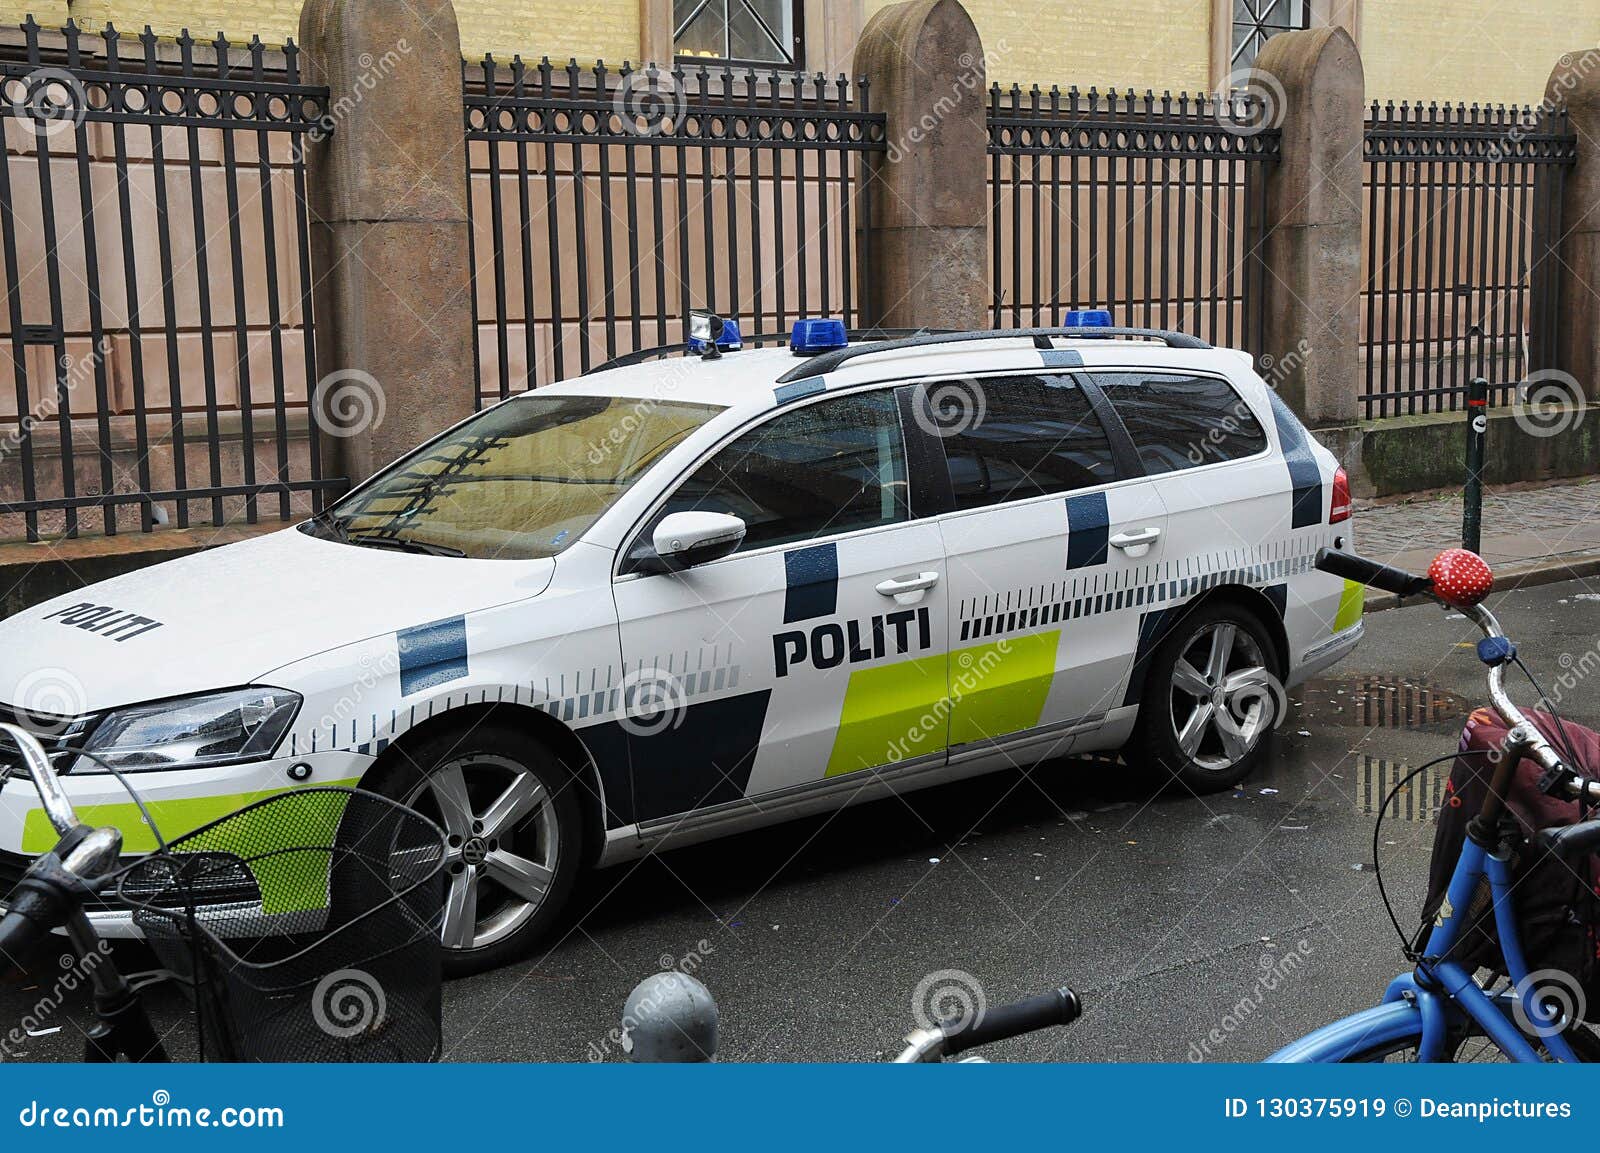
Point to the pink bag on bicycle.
(1558, 905)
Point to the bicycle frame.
(1442, 988)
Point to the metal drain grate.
(1377, 702)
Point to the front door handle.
(1137, 541)
(908, 590)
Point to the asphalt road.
(1220, 926)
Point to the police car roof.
(749, 378)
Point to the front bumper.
(179, 802)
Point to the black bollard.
(1477, 432)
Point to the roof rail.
(1041, 337)
(660, 352)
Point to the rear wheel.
(514, 832)
(1211, 698)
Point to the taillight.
(1339, 508)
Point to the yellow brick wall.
(604, 29)
(1159, 44)
(1487, 50)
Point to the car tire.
(1207, 743)
(514, 828)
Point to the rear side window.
(1014, 437)
(1179, 422)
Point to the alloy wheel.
(503, 845)
(1224, 697)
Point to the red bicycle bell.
(1461, 578)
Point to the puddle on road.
(1418, 801)
(1381, 702)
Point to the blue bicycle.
(1439, 1012)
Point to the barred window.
(1255, 21)
(744, 31)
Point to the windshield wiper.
(371, 539)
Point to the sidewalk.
(1530, 536)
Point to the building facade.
(1495, 51)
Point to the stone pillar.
(1575, 86)
(1312, 308)
(923, 232)
(388, 191)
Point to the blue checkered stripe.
(1171, 582)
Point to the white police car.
(683, 597)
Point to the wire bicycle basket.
(306, 926)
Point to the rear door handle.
(1137, 541)
(910, 589)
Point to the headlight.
(216, 729)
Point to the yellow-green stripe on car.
(910, 709)
(174, 817)
(1000, 688)
(1350, 605)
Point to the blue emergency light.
(701, 326)
(1088, 318)
(817, 334)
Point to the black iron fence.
(157, 276)
(1150, 206)
(605, 205)
(1463, 208)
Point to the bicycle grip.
(1370, 572)
(1045, 1011)
(19, 934)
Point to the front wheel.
(1392, 1033)
(513, 829)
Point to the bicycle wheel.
(1474, 1047)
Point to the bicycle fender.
(1336, 1042)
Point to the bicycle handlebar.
(948, 1038)
(1522, 736)
(45, 782)
(1370, 572)
(1045, 1011)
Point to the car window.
(1018, 437)
(521, 480)
(1179, 421)
(830, 467)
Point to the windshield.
(522, 480)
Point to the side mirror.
(685, 539)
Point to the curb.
(1526, 574)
